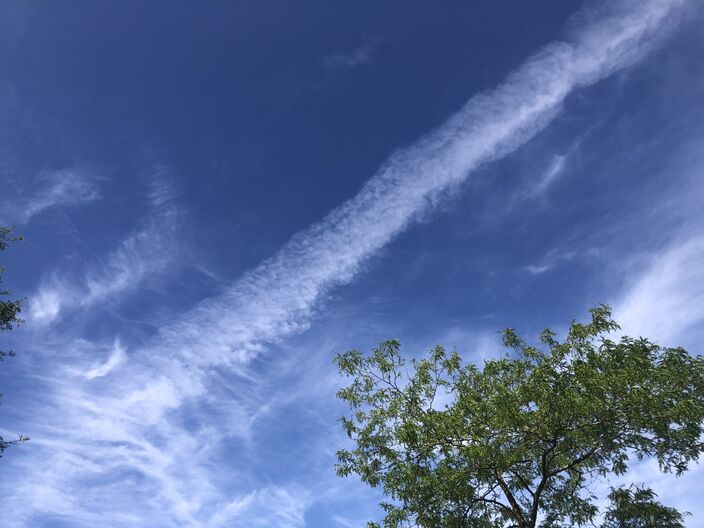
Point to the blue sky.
(217, 199)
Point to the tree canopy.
(519, 441)
(9, 317)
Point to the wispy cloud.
(541, 182)
(554, 169)
(274, 506)
(141, 254)
(662, 289)
(344, 522)
(117, 356)
(665, 299)
(133, 429)
(351, 59)
(550, 261)
(67, 187)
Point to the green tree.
(9, 318)
(636, 507)
(519, 441)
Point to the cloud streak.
(557, 165)
(266, 507)
(278, 298)
(666, 299)
(360, 55)
(138, 256)
(127, 428)
(55, 188)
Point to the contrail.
(277, 298)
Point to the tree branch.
(515, 507)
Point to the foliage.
(9, 317)
(636, 507)
(518, 442)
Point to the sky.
(216, 198)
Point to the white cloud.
(117, 356)
(46, 304)
(53, 188)
(358, 56)
(538, 269)
(344, 522)
(138, 256)
(665, 300)
(272, 506)
(554, 169)
(552, 259)
(132, 430)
